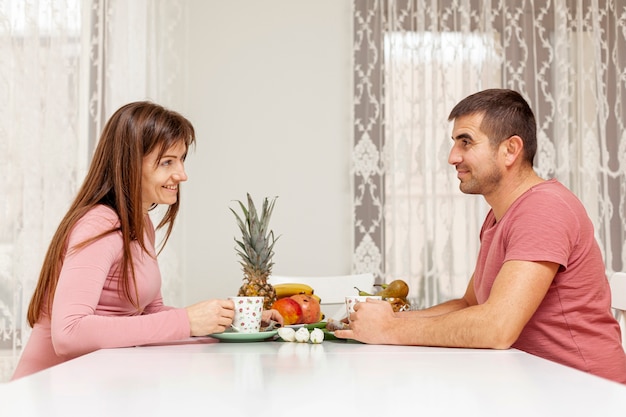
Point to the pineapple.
(256, 251)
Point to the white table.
(290, 379)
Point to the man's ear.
(513, 148)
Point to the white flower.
(287, 334)
(302, 335)
(317, 335)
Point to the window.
(431, 227)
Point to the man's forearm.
(437, 310)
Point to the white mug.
(351, 300)
(248, 313)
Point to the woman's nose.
(181, 175)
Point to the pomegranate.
(311, 311)
(289, 309)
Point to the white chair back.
(332, 290)
(618, 301)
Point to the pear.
(398, 304)
(362, 293)
(395, 289)
(395, 293)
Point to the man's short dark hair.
(506, 114)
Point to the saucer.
(232, 336)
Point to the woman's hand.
(211, 316)
(271, 315)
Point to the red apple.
(289, 309)
(311, 312)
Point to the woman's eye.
(166, 162)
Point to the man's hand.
(369, 322)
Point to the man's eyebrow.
(462, 136)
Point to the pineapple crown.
(256, 246)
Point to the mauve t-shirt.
(574, 324)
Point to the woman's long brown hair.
(114, 180)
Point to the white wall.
(270, 95)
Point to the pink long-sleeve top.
(89, 312)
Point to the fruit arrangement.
(297, 304)
(395, 293)
(256, 249)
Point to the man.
(539, 284)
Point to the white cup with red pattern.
(248, 313)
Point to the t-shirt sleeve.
(543, 229)
(75, 326)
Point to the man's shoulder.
(552, 192)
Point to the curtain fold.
(414, 60)
(40, 53)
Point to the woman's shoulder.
(97, 220)
(103, 214)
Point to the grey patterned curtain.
(413, 60)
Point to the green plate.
(319, 325)
(232, 336)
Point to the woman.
(100, 285)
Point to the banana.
(289, 289)
(317, 297)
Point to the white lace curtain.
(66, 66)
(414, 60)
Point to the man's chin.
(467, 189)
